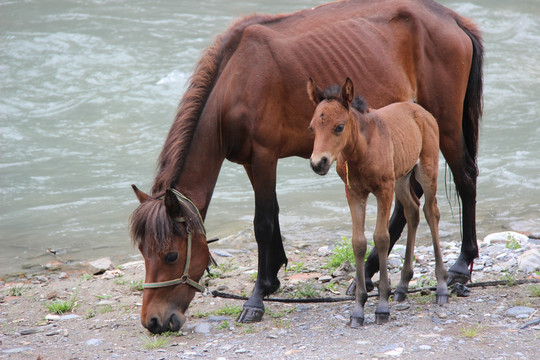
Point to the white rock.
(529, 261)
(99, 266)
(503, 237)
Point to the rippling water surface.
(89, 90)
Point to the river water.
(89, 90)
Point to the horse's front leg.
(271, 254)
(357, 205)
(382, 243)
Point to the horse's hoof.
(399, 296)
(351, 290)
(381, 318)
(457, 278)
(357, 322)
(250, 314)
(461, 290)
(442, 299)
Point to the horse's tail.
(473, 103)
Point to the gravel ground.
(497, 322)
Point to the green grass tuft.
(63, 306)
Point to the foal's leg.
(382, 242)
(357, 205)
(428, 179)
(271, 253)
(411, 207)
(397, 223)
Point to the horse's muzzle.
(320, 166)
(172, 323)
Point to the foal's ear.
(315, 94)
(347, 92)
(172, 204)
(139, 194)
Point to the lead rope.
(347, 183)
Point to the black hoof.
(399, 296)
(357, 322)
(457, 278)
(381, 318)
(249, 315)
(442, 299)
(461, 290)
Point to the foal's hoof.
(250, 314)
(381, 318)
(461, 290)
(399, 296)
(357, 322)
(442, 299)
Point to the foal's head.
(329, 122)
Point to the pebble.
(529, 261)
(94, 342)
(69, 317)
(519, 311)
(17, 350)
(203, 328)
(28, 331)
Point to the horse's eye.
(171, 257)
(339, 129)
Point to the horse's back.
(379, 44)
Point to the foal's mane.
(172, 158)
(333, 92)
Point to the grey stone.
(29, 331)
(17, 350)
(94, 342)
(519, 310)
(529, 261)
(218, 318)
(69, 317)
(99, 266)
(203, 328)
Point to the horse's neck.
(202, 163)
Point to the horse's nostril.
(175, 323)
(324, 161)
(154, 326)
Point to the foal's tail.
(473, 104)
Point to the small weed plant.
(342, 252)
(471, 331)
(63, 306)
(155, 342)
(535, 290)
(512, 243)
(305, 290)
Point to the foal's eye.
(171, 257)
(339, 129)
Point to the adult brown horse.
(246, 103)
(380, 152)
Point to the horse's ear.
(172, 204)
(139, 194)
(347, 92)
(315, 94)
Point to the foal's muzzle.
(320, 166)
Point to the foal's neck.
(356, 147)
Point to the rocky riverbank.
(498, 322)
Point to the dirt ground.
(105, 324)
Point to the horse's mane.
(172, 157)
(333, 92)
(151, 224)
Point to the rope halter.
(184, 279)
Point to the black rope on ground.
(225, 295)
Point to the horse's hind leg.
(411, 207)
(267, 233)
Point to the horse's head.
(169, 232)
(329, 123)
